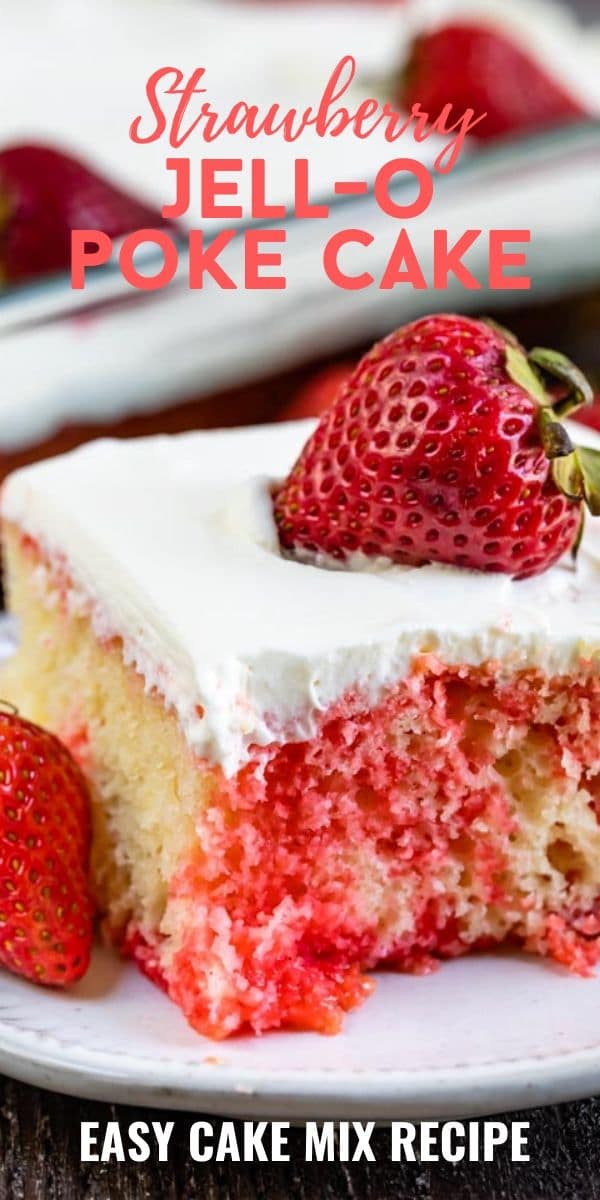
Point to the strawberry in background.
(317, 392)
(44, 194)
(477, 66)
(590, 416)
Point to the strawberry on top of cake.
(444, 446)
(335, 688)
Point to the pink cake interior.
(276, 894)
(459, 813)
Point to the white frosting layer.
(170, 543)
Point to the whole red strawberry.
(45, 907)
(480, 67)
(444, 446)
(44, 194)
(319, 391)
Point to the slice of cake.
(300, 773)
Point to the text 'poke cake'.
(337, 714)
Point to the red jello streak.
(280, 928)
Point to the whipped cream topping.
(171, 545)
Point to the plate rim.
(314, 1092)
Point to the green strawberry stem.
(521, 371)
(579, 391)
(578, 476)
(555, 439)
(579, 538)
(575, 469)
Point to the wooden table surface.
(39, 1160)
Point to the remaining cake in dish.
(300, 773)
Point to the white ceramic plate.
(485, 1034)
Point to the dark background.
(39, 1146)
